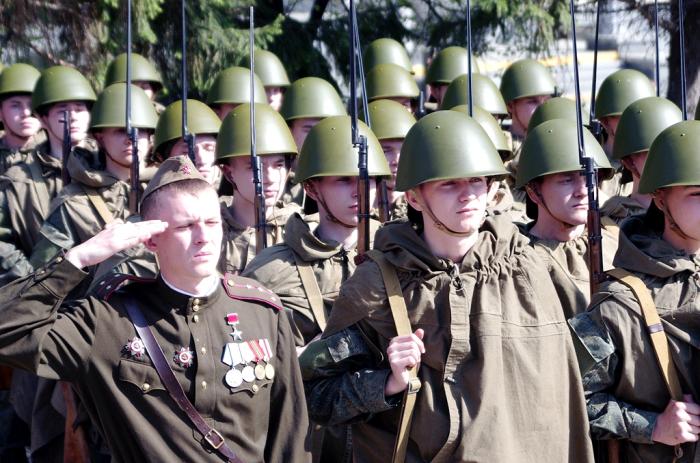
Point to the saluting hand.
(116, 236)
(679, 423)
(404, 352)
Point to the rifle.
(420, 111)
(67, 147)
(360, 142)
(595, 126)
(657, 72)
(681, 30)
(470, 100)
(255, 162)
(132, 132)
(186, 135)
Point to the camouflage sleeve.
(342, 380)
(57, 233)
(609, 417)
(14, 263)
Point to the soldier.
(99, 190)
(392, 82)
(482, 326)
(273, 76)
(554, 108)
(386, 50)
(557, 201)
(639, 124)
(637, 342)
(21, 127)
(317, 255)
(141, 354)
(390, 123)
(231, 88)
(486, 95)
(203, 123)
(449, 64)
(143, 74)
(275, 146)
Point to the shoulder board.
(245, 289)
(113, 282)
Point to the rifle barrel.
(470, 100)
(255, 161)
(681, 30)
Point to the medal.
(246, 352)
(184, 357)
(233, 320)
(135, 348)
(232, 354)
(248, 374)
(269, 371)
(259, 372)
(234, 378)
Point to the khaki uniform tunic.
(499, 377)
(84, 342)
(10, 156)
(618, 208)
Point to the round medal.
(269, 371)
(248, 374)
(259, 372)
(234, 378)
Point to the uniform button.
(203, 350)
(195, 308)
(59, 259)
(255, 388)
(204, 384)
(195, 318)
(146, 387)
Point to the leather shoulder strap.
(399, 312)
(313, 292)
(655, 329)
(210, 435)
(99, 204)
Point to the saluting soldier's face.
(563, 196)
(239, 172)
(188, 250)
(300, 129)
(117, 144)
(204, 155)
(339, 194)
(16, 115)
(79, 120)
(460, 204)
(274, 97)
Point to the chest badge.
(135, 348)
(184, 357)
(249, 361)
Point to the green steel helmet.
(272, 134)
(641, 122)
(447, 65)
(390, 120)
(673, 158)
(110, 109)
(328, 151)
(552, 148)
(486, 94)
(141, 70)
(382, 51)
(200, 120)
(446, 145)
(311, 97)
(619, 90)
(61, 83)
(232, 85)
(18, 78)
(554, 108)
(270, 69)
(390, 81)
(492, 129)
(524, 78)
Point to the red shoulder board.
(245, 289)
(115, 281)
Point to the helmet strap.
(329, 214)
(673, 225)
(537, 193)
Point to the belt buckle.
(218, 435)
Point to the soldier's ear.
(533, 192)
(413, 201)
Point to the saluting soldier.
(20, 124)
(557, 202)
(231, 88)
(137, 353)
(640, 123)
(99, 190)
(276, 147)
(273, 76)
(143, 74)
(317, 254)
(637, 343)
(481, 324)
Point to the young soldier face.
(300, 129)
(117, 145)
(340, 196)
(635, 162)
(79, 120)
(274, 97)
(610, 124)
(16, 115)
(392, 152)
(521, 109)
(147, 87)
(683, 203)
(188, 250)
(437, 91)
(274, 172)
(223, 109)
(204, 155)
(459, 204)
(565, 197)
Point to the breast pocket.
(142, 376)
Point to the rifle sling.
(99, 204)
(399, 312)
(210, 435)
(313, 292)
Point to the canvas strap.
(313, 292)
(99, 204)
